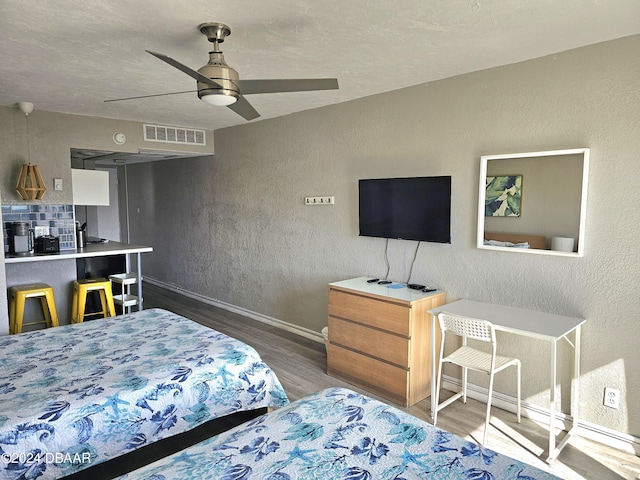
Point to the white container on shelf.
(563, 244)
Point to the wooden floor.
(300, 364)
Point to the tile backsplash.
(59, 219)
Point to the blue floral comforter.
(337, 434)
(77, 395)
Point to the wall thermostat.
(119, 138)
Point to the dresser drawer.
(379, 377)
(369, 311)
(377, 343)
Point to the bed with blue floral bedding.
(78, 395)
(337, 434)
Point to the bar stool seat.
(18, 295)
(81, 289)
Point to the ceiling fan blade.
(243, 108)
(149, 96)
(248, 87)
(183, 68)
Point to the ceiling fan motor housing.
(222, 74)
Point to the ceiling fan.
(219, 84)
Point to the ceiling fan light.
(219, 99)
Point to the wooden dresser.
(379, 338)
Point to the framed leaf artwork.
(503, 196)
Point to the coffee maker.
(21, 239)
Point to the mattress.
(337, 434)
(77, 395)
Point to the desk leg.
(434, 360)
(575, 387)
(552, 400)
(575, 390)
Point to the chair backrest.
(467, 327)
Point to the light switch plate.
(57, 184)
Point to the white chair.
(471, 358)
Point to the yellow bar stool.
(18, 295)
(81, 289)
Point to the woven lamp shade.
(30, 184)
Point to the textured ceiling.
(71, 55)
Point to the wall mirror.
(534, 202)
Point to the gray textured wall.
(234, 227)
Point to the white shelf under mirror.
(550, 211)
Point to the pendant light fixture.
(30, 185)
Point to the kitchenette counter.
(29, 268)
(91, 250)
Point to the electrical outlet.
(611, 397)
(319, 200)
(57, 184)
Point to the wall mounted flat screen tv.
(417, 208)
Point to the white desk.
(544, 326)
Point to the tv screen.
(417, 208)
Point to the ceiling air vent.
(162, 133)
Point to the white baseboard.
(303, 332)
(621, 441)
